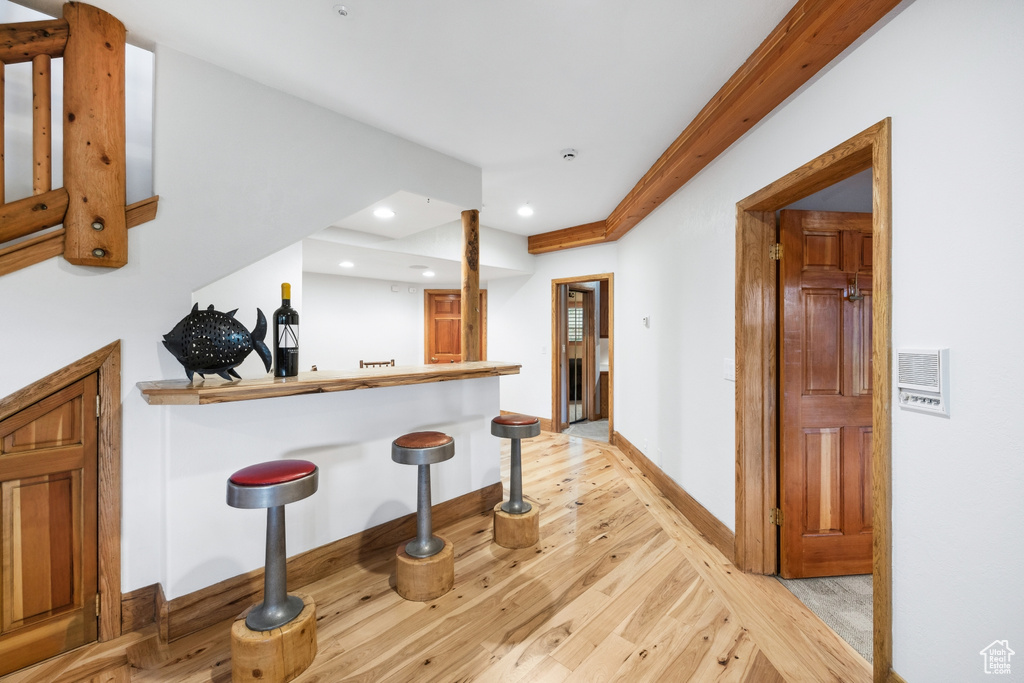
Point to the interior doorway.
(757, 517)
(581, 353)
(581, 330)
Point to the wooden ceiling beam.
(810, 36)
(578, 236)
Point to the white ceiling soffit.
(324, 256)
(502, 85)
(422, 232)
(412, 214)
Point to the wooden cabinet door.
(442, 326)
(48, 527)
(825, 435)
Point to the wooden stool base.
(517, 531)
(274, 656)
(425, 578)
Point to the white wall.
(243, 171)
(519, 323)
(948, 73)
(348, 319)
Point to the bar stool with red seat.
(277, 638)
(516, 522)
(425, 566)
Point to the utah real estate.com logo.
(997, 657)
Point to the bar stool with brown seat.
(516, 522)
(425, 566)
(276, 639)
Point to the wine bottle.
(286, 336)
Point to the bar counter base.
(275, 656)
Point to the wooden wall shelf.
(183, 392)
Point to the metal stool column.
(425, 566)
(276, 639)
(516, 522)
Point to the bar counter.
(216, 390)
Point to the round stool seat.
(271, 484)
(422, 448)
(515, 426)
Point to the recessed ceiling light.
(428, 273)
(346, 264)
(525, 210)
(383, 212)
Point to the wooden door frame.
(106, 361)
(426, 319)
(756, 541)
(556, 387)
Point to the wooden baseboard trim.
(139, 608)
(545, 424)
(190, 613)
(162, 615)
(717, 533)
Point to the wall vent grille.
(923, 380)
(919, 369)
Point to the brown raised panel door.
(442, 326)
(48, 527)
(825, 435)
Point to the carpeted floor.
(596, 430)
(842, 602)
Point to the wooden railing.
(91, 205)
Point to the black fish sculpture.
(211, 341)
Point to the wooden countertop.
(216, 390)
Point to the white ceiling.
(413, 214)
(502, 85)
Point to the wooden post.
(96, 232)
(470, 285)
(3, 179)
(41, 139)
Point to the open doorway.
(825, 393)
(581, 331)
(757, 388)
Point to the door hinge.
(775, 516)
(97, 405)
(775, 252)
(97, 604)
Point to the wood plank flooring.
(620, 588)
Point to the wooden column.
(3, 179)
(41, 139)
(470, 285)
(96, 232)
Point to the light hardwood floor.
(621, 587)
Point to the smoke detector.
(568, 154)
